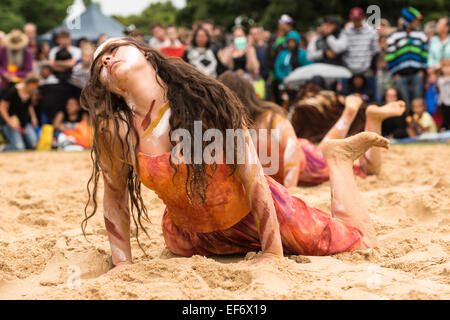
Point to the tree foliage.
(44, 13)
(162, 12)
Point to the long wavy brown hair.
(245, 91)
(193, 96)
(315, 112)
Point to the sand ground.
(42, 249)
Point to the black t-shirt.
(18, 107)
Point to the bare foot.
(352, 104)
(352, 148)
(393, 109)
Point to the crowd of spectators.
(40, 82)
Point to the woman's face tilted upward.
(118, 61)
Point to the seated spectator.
(18, 114)
(159, 39)
(291, 58)
(394, 127)
(70, 125)
(200, 55)
(47, 76)
(358, 85)
(443, 85)
(64, 57)
(80, 72)
(421, 121)
(330, 44)
(175, 47)
(16, 59)
(240, 56)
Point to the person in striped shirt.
(362, 43)
(406, 56)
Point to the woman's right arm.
(115, 202)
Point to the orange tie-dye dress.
(224, 223)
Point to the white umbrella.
(329, 72)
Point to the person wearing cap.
(362, 43)
(330, 44)
(277, 43)
(16, 59)
(291, 58)
(406, 56)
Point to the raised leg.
(341, 127)
(370, 161)
(347, 203)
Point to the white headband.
(103, 45)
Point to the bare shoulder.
(116, 141)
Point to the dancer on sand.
(299, 160)
(137, 99)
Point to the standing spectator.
(277, 42)
(185, 37)
(159, 38)
(101, 39)
(215, 44)
(64, 57)
(30, 31)
(208, 25)
(19, 116)
(240, 56)
(256, 38)
(382, 76)
(406, 56)
(137, 35)
(175, 47)
(200, 55)
(439, 45)
(444, 93)
(16, 59)
(291, 58)
(430, 29)
(330, 44)
(362, 44)
(81, 70)
(41, 57)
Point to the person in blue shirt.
(291, 58)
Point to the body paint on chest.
(157, 120)
(148, 117)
